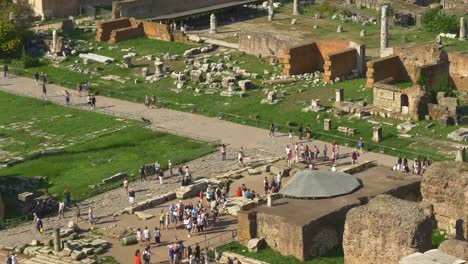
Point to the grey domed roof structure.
(309, 184)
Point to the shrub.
(434, 20)
(29, 61)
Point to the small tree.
(10, 39)
(434, 20)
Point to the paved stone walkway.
(191, 125)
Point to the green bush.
(434, 20)
(438, 236)
(29, 61)
(326, 8)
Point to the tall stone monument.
(54, 41)
(384, 31)
(296, 8)
(462, 28)
(339, 95)
(460, 154)
(213, 24)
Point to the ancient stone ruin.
(385, 230)
(444, 187)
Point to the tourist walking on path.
(137, 257)
(157, 236)
(61, 210)
(308, 132)
(14, 260)
(5, 71)
(272, 130)
(66, 194)
(142, 173)
(147, 236)
(147, 255)
(147, 101)
(360, 145)
(139, 236)
(77, 213)
(131, 196)
(44, 78)
(354, 156)
(301, 131)
(170, 167)
(240, 157)
(67, 98)
(171, 254)
(290, 136)
(125, 184)
(40, 226)
(222, 150)
(162, 218)
(36, 77)
(44, 91)
(90, 217)
(161, 176)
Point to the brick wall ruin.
(339, 64)
(265, 44)
(122, 29)
(458, 70)
(336, 58)
(409, 64)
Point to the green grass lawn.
(268, 255)
(97, 146)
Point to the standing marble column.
(462, 28)
(384, 29)
(213, 24)
(296, 8)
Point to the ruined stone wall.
(302, 58)
(156, 31)
(246, 225)
(386, 97)
(458, 70)
(282, 236)
(151, 8)
(265, 44)
(127, 33)
(445, 187)
(414, 58)
(381, 69)
(104, 29)
(179, 36)
(339, 64)
(55, 8)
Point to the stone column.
(462, 28)
(327, 124)
(460, 154)
(213, 24)
(54, 40)
(269, 200)
(384, 29)
(377, 134)
(339, 95)
(57, 245)
(296, 8)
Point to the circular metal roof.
(309, 184)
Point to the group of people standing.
(418, 167)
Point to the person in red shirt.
(137, 257)
(239, 192)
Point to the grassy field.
(270, 256)
(94, 146)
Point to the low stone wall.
(238, 259)
(339, 64)
(156, 31)
(123, 34)
(149, 203)
(359, 167)
(115, 178)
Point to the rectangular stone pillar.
(269, 200)
(377, 134)
(327, 124)
(460, 154)
(57, 245)
(246, 225)
(462, 28)
(339, 95)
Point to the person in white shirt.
(147, 236)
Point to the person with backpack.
(8, 260)
(147, 255)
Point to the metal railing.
(218, 240)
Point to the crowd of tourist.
(418, 167)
